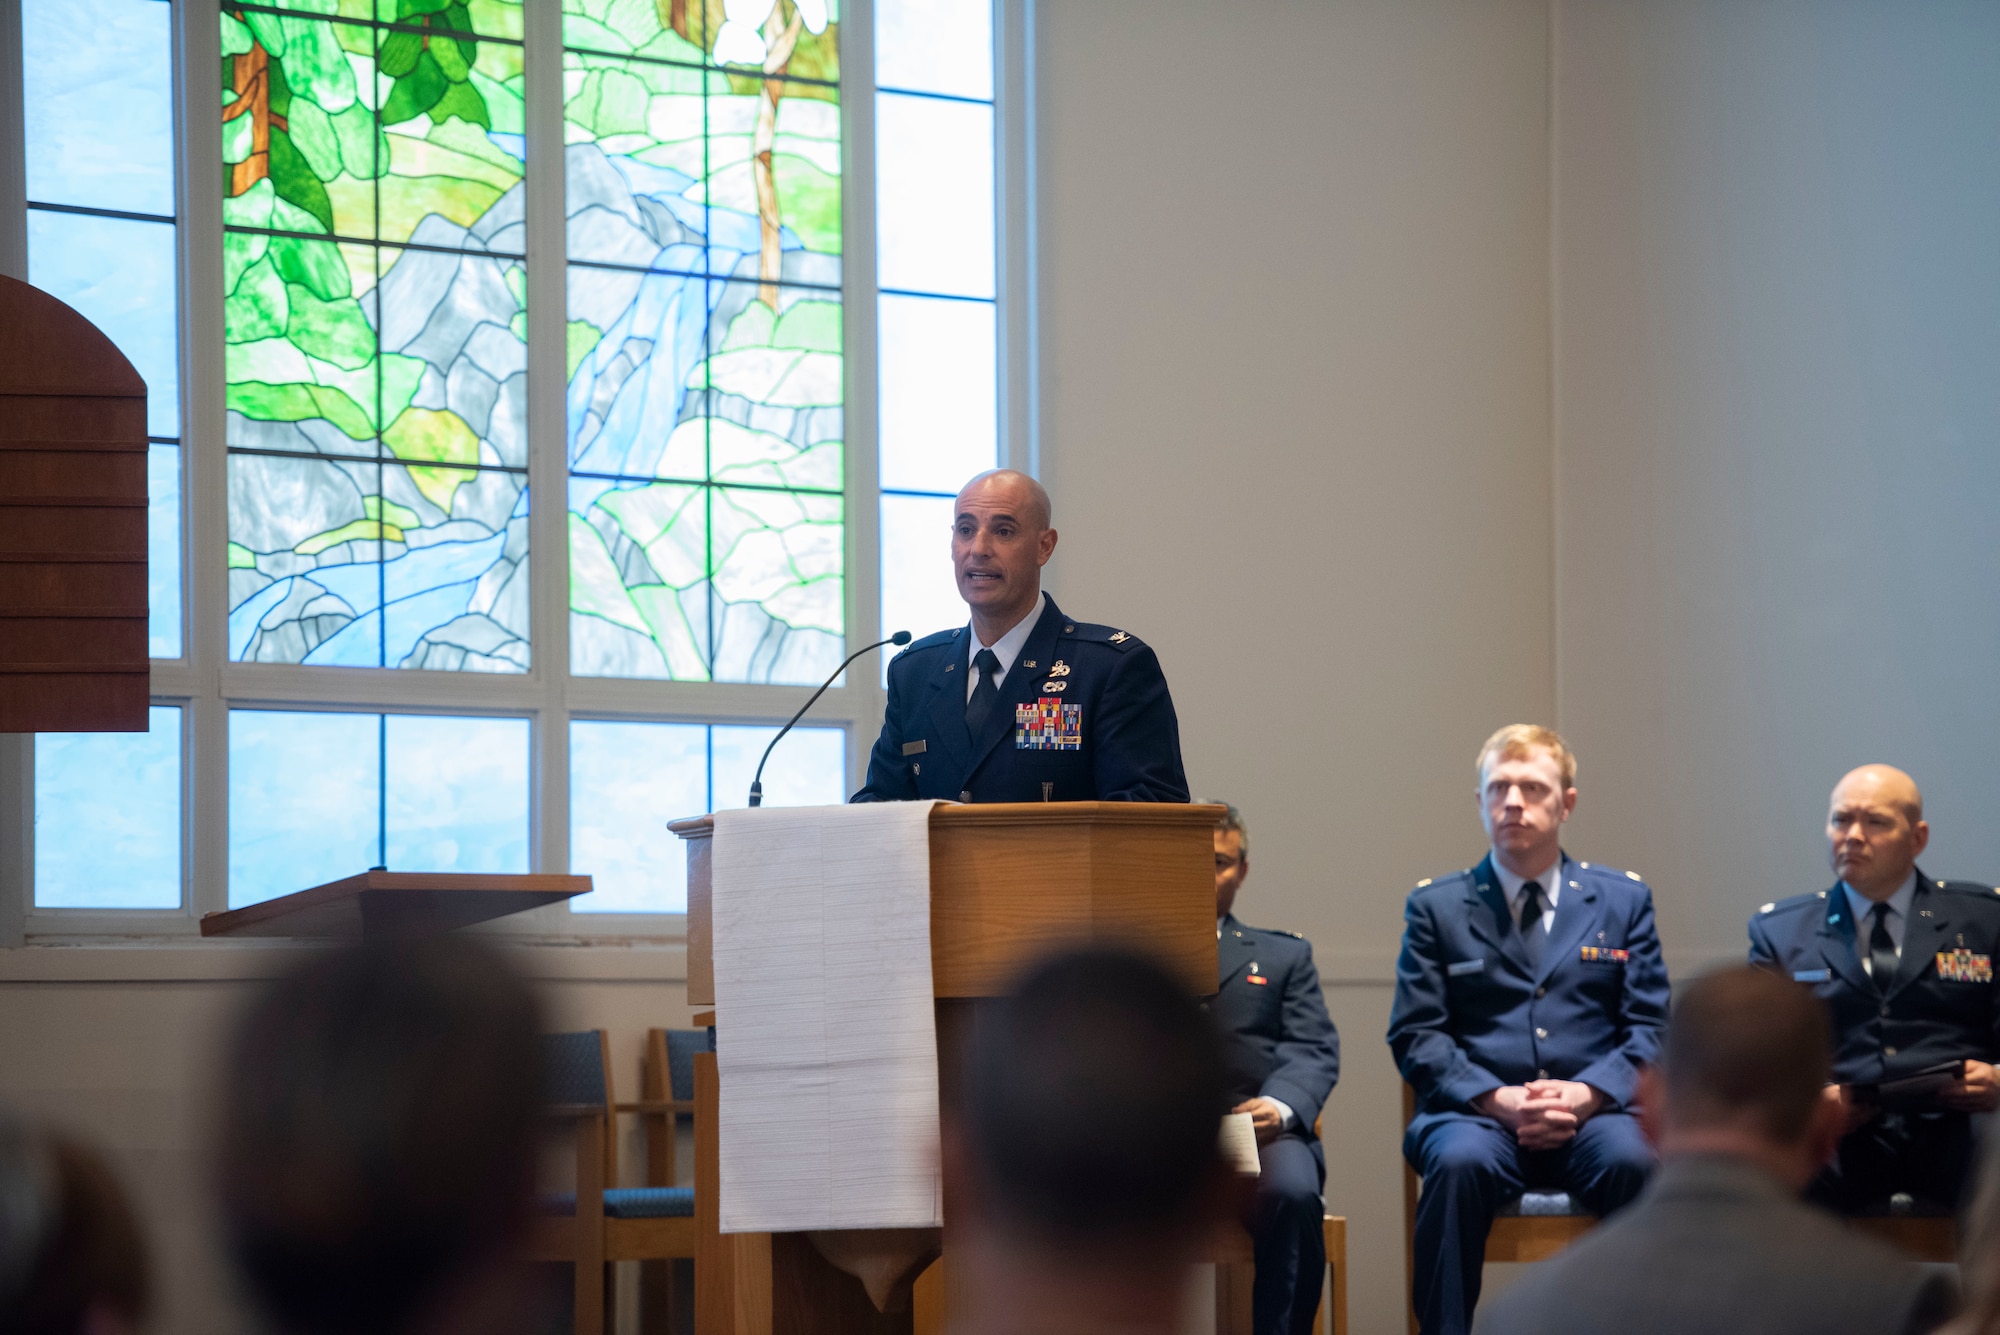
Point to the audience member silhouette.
(72, 1257)
(376, 1159)
(1719, 1240)
(1083, 1151)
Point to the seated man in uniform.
(1024, 704)
(1284, 1057)
(1083, 1151)
(1529, 993)
(1905, 963)
(1720, 1241)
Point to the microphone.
(901, 637)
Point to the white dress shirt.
(1551, 882)
(1863, 909)
(1007, 648)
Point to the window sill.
(177, 960)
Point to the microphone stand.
(901, 637)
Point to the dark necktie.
(1881, 950)
(985, 694)
(1532, 935)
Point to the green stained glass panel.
(355, 564)
(796, 37)
(405, 129)
(704, 583)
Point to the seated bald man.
(1024, 703)
(1905, 964)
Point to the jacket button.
(1541, 1033)
(1885, 1010)
(1888, 1052)
(965, 796)
(1541, 991)
(1542, 1074)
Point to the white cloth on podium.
(826, 1039)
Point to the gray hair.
(1232, 819)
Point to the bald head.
(1018, 493)
(1000, 540)
(1875, 824)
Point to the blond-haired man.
(1529, 992)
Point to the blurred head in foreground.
(1744, 1071)
(1979, 1249)
(72, 1259)
(376, 1162)
(1086, 1143)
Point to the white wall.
(1778, 410)
(1295, 333)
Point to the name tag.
(915, 748)
(1811, 975)
(1464, 967)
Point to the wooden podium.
(1009, 883)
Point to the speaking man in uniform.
(1284, 1057)
(1529, 992)
(1905, 963)
(1024, 704)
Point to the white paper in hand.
(1239, 1144)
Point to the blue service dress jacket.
(1471, 1016)
(1083, 716)
(1282, 1043)
(1942, 1005)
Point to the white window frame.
(207, 686)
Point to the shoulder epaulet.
(1286, 931)
(933, 640)
(1977, 888)
(1792, 902)
(1444, 880)
(1096, 634)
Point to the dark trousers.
(1926, 1156)
(1285, 1227)
(1471, 1166)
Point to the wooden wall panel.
(73, 653)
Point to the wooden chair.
(599, 1223)
(1926, 1237)
(666, 1076)
(1236, 1273)
(1533, 1228)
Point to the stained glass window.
(627, 780)
(108, 817)
(704, 417)
(99, 141)
(936, 312)
(374, 264)
(317, 796)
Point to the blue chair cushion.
(628, 1203)
(1541, 1204)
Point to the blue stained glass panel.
(119, 275)
(304, 803)
(935, 46)
(626, 781)
(808, 768)
(939, 408)
(108, 817)
(163, 551)
(458, 793)
(919, 593)
(934, 195)
(97, 90)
